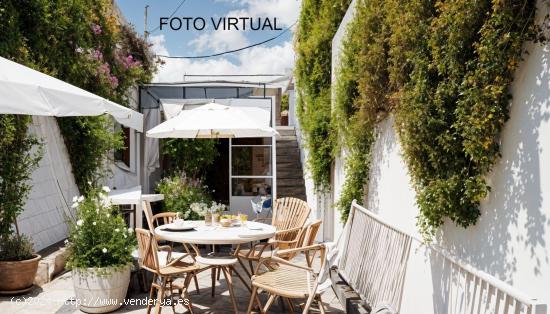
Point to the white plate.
(173, 227)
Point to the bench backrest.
(375, 260)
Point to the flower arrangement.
(184, 195)
(99, 238)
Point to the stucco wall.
(47, 208)
(510, 240)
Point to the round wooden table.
(218, 235)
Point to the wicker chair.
(164, 275)
(288, 280)
(289, 217)
(162, 219)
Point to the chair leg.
(213, 273)
(290, 305)
(151, 292)
(186, 292)
(269, 303)
(172, 303)
(251, 267)
(308, 303)
(230, 287)
(245, 269)
(320, 302)
(240, 277)
(196, 283)
(253, 296)
(160, 296)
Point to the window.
(123, 155)
(251, 167)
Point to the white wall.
(45, 213)
(512, 237)
(511, 240)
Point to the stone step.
(292, 182)
(289, 144)
(286, 138)
(285, 131)
(287, 159)
(288, 150)
(290, 174)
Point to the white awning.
(216, 121)
(26, 91)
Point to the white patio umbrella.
(214, 121)
(26, 91)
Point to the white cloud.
(278, 59)
(158, 46)
(286, 11)
(220, 40)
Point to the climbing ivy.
(319, 21)
(83, 43)
(443, 69)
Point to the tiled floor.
(55, 297)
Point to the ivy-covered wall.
(319, 20)
(83, 43)
(443, 69)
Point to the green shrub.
(180, 192)
(15, 248)
(319, 21)
(99, 238)
(190, 156)
(20, 153)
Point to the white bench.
(374, 259)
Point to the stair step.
(288, 151)
(286, 138)
(286, 131)
(287, 158)
(290, 182)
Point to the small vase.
(215, 218)
(208, 219)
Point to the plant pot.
(18, 276)
(100, 293)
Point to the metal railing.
(376, 258)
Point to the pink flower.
(129, 62)
(79, 50)
(113, 80)
(104, 69)
(96, 54)
(96, 29)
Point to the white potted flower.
(100, 258)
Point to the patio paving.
(55, 297)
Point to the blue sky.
(274, 57)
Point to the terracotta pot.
(100, 293)
(18, 276)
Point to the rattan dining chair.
(162, 219)
(288, 280)
(289, 217)
(164, 275)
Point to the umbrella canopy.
(214, 121)
(26, 91)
